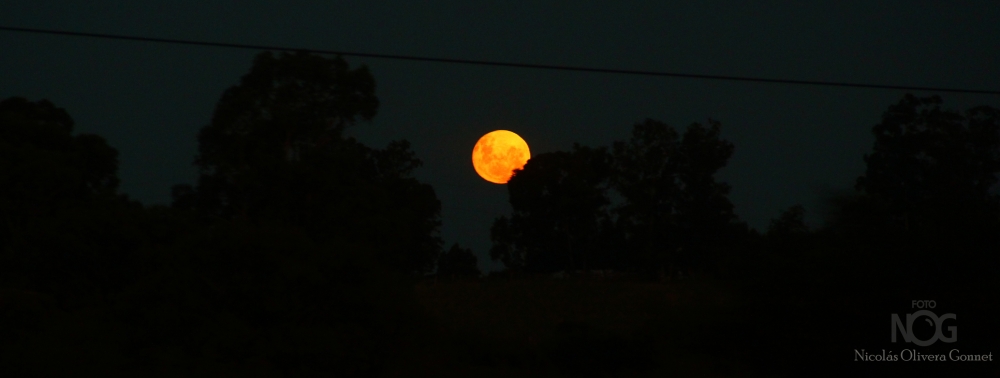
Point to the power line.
(496, 64)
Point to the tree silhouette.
(931, 173)
(674, 212)
(68, 241)
(559, 201)
(275, 151)
(303, 232)
(458, 262)
(284, 107)
(790, 222)
(788, 237)
(60, 232)
(646, 168)
(40, 150)
(921, 223)
(924, 154)
(91, 282)
(705, 215)
(789, 248)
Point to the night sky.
(794, 144)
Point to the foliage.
(559, 201)
(301, 277)
(458, 262)
(785, 249)
(44, 166)
(927, 187)
(789, 234)
(293, 256)
(673, 214)
(67, 242)
(708, 226)
(921, 224)
(924, 154)
(275, 151)
(61, 231)
(791, 221)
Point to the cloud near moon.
(497, 154)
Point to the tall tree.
(61, 228)
(932, 171)
(284, 107)
(275, 151)
(674, 212)
(925, 156)
(39, 149)
(709, 226)
(646, 169)
(559, 201)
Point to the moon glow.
(497, 154)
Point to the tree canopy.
(929, 162)
(559, 201)
(294, 254)
(928, 190)
(59, 205)
(458, 262)
(672, 212)
(275, 150)
(293, 240)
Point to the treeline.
(925, 212)
(295, 252)
(292, 254)
(923, 222)
(671, 213)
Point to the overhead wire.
(498, 64)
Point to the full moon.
(497, 154)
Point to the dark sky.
(794, 144)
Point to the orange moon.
(497, 154)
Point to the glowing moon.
(497, 154)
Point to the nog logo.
(906, 329)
